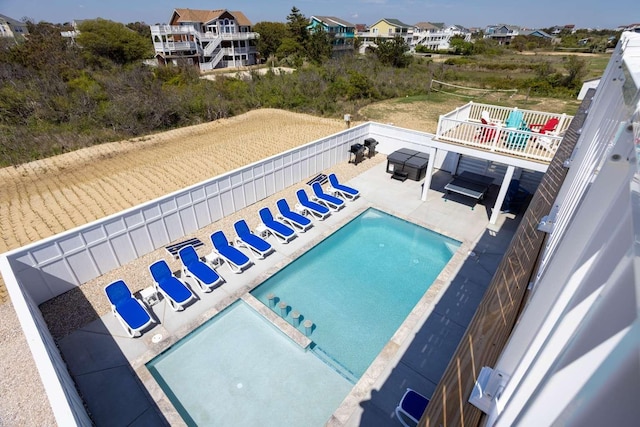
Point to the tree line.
(57, 96)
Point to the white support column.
(503, 192)
(427, 179)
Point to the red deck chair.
(550, 126)
(488, 133)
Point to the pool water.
(237, 369)
(358, 286)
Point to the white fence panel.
(58, 264)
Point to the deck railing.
(464, 126)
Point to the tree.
(460, 46)
(297, 26)
(271, 36)
(318, 46)
(393, 52)
(113, 41)
(576, 69)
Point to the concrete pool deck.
(103, 360)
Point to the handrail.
(496, 138)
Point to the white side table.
(262, 231)
(149, 296)
(213, 259)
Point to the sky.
(596, 14)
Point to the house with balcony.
(209, 39)
(436, 36)
(503, 34)
(385, 29)
(341, 32)
(11, 28)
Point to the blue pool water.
(359, 284)
(238, 370)
(357, 287)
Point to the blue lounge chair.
(173, 289)
(283, 232)
(206, 277)
(259, 247)
(331, 202)
(412, 406)
(309, 206)
(291, 218)
(234, 257)
(344, 191)
(129, 311)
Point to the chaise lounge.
(305, 205)
(206, 277)
(234, 257)
(172, 289)
(283, 232)
(329, 201)
(258, 247)
(129, 311)
(291, 218)
(338, 189)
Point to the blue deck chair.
(517, 140)
(309, 206)
(173, 289)
(514, 120)
(412, 406)
(258, 247)
(332, 202)
(234, 257)
(291, 218)
(344, 191)
(206, 277)
(129, 311)
(283, 232)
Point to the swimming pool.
(357, 286)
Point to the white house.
(437, 36)
(209, 38)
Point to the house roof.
(393, 22)
(202, 16)
(537, 33)
(11, 21)
(332, 20)
(429, 26)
